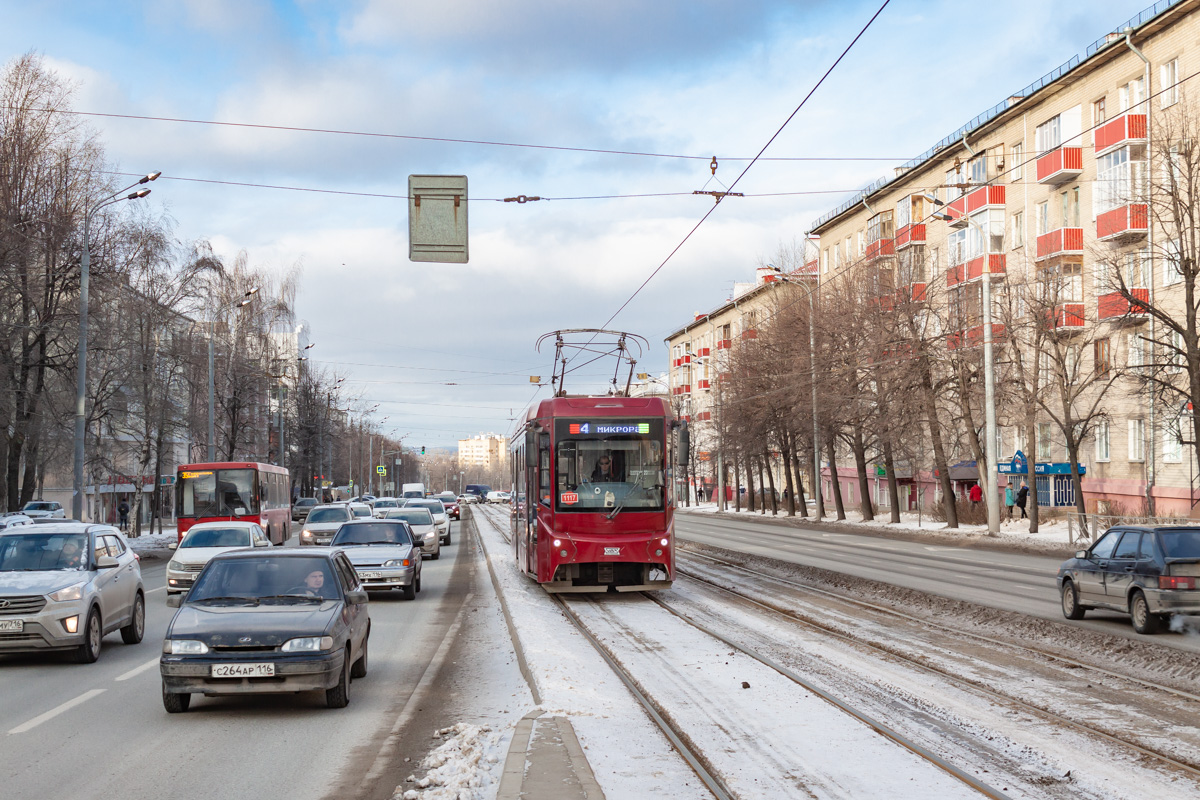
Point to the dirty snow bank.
(460, 768)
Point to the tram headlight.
(664, 542)
(558, 542)
(562, 553)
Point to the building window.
(1043, 444)
(1132, 94)
(1073, 205)
(1098, 115)
(977, 169)
(956, 247)
(990, 226)
(1103, 356)
(1018, 229)
(1049, 135)
(825, 260)
(1176, 353)
(1135, 358)
(1120, 177)
(1043, 217)
(1017, 168)
(1103, 448)
(1168, 75)
(1172, 268)
(880, 226)
(1137, 440)
(954, 180)
(1173, 442)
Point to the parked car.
(44, 509)
(301, 507)
(440, 517)
(14, 519)
(65, 586)
(268, 621)
(450, 502)
(384, 504)
(1148, 573)
(360, 510)
(423, 527)
(323, 522)
(384, 553)
(204, 541)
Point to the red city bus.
(593, 506)
(229, 490)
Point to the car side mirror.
(1082, 554)
(175, 600)
(262, 543)
(357, 597)
(173, 545)
(105, 562)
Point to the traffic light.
(422, 449)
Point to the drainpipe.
(967, 145)
(1150, 444)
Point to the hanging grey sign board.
(437, 218)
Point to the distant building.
(482, 450)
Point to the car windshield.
(36, 552)
(609, 463)
(413, 516)
(38, 506)
(361, 511)
(1181, 544)
(217, 493)
(274, 578)
(306, 501)
(216, 537)
(372, 533)
(385, 504)
(434, 506)
(328, 515)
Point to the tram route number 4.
(437, 218)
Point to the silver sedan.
(383, 553)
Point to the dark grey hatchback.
(1148, 573)
(279, 621)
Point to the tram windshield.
(610, 463)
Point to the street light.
(81, 377)
(212, 394)
(989, 375)
(812, 368)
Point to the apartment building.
(1052, 192)
(485, 450)
(699, 352)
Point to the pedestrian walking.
(123, 511)
(700, 494)
(1010, 499)
(975, 495)
(1022, 498)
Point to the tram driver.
(606, 471)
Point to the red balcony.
(1066, 316)
(703, 352)
(909, 235)
(750, 333)
(994, 263)
(984, 197)
(686, 359)
(724, 344)
(1126, 129)
(917, 292)
(684, 389)
(1059, 166)
(973, 337)
(704, 416)
(1060, 242)
(1123, 223)
(704, 384)
(1114, 306)
(880, 248)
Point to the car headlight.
(430, 535)
(307, 534)
(175, 565)
(397, 562)
(69, 593)
(308, 644)
(185, 647)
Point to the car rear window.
(1180, 544)
(413, 516)
(373, 533)
(328, 515)
(216, 537)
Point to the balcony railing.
(1060, 242)
(684, 389)
(1125, 222)
(704, 384)
(973, 337)
(975, 267)
(880, 248)
(1115, 305)
(703, 352)
(909, 235)
(750, 333)
(976, 200)
(724, 344)
(1060, 165)
(1125, 129)
(1066, 316)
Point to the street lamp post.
(81, 376)
(212, 393)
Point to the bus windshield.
(609, 463)
(217, 493)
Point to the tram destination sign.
(608, 428)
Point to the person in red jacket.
(975, 494)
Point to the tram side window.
(544, 469)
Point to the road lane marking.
(159, 589)
(133, 673)
(54, 712)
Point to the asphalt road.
(1007, 581)
(100, 730)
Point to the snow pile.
(464, 767)
(153, 543)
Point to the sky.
(446, 350)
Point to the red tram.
(593, 509)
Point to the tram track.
(1190, 768)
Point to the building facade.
(487, 450)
